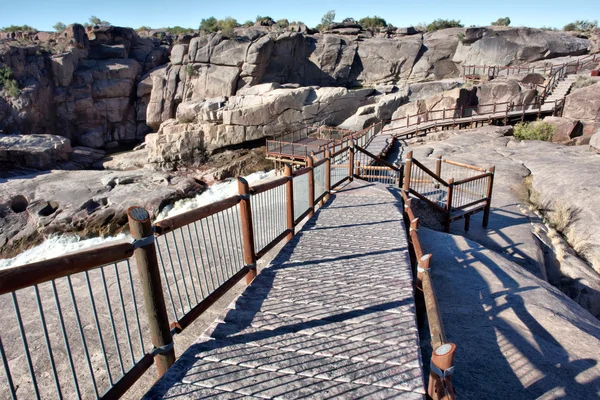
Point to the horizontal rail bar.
(263, 187)
(459, 164)
(188, 217)
(319, 163)
(129, 379)
(273, 243)
(20, 277)
(473, 178)
(340, 182)
(470, 204)
(434, 318)
(302, 171)
(301, 217)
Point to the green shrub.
(143, 28)
(461, 37)
(16, 28)
(373, 23)
(538, 130)
(59, 27)
(581, 26)
(226, 26)
(502, 22)
(443, 24)
(95, 21)
(248, 24)
(583, 81)
(283, 23)
(265, 18)
(179, 30)
(9, 85)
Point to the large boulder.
(33, 151)
(506, 46)
(566, 129)
(584, 104)
(435, 60)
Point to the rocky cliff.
(109, 86)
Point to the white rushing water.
(58, 245)
(216, 192)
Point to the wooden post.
(522, 112)
(154, 302)
(488, 202)
(438, 166)
(407, 170)
(351, 162)
(449, 204)
(467, 222)
(289, 199)
(443, 359)
(357, 169)
(247, 232)
(311, 186)
(422, 266)
(327, 175)
(461, 111)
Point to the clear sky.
(43, 14)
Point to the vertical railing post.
(247, 230)
(149, 274)
(407, 171)
(311, 186)
(289, 199)
(438, 166)
(327, 175)
(442, 361)
(351, 161)
(488, 201)
(449, 204)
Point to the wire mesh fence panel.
(197, 258)
(319, 175)
(467, 193)
(73, 337)
(424, 184)
(300, 195)
(268, 216)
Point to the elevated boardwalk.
(332, 316)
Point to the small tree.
(326, 20)
(283, 23)
(59, 27)
(248, 24)
(227, 27)
(95, 21)
(581, 26)
(179, 30)
(209, 24)
(502, 22)
(443, 24)
(17, 28)
(373, 23)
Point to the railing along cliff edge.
(78, 314)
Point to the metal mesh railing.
(198, 258)
(320, 180)
(74, 336)
(300, 195)
(268, 216)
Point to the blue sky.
(43, 14)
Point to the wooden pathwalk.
(332, 316)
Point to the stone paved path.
(332, 316)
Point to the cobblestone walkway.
(332, 316)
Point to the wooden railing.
(442, 358)
(185, 263)
(466, 190)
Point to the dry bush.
(583, 81)
(561, 216)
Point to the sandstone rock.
(387, 60)
(503, 46)
(566, 128)
(178, 52)
(436, 56)
(33, 151)
(595, 142)
(93, 139)
(584, 104)
(87, 203)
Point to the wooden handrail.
(429, 172)
(473, 178)
(22, 276)
(378, 159)
(178, 221)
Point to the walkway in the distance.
(332, 316)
